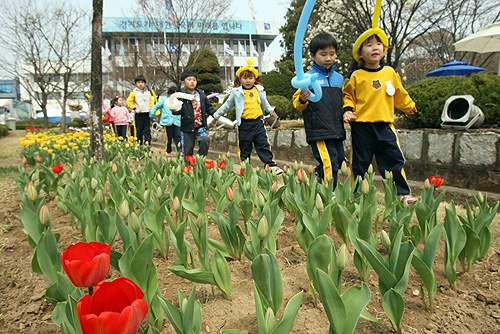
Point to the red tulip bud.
(230, 194)
(32, 193)
(25, 161)
(365, 187)
(267, 168)
(114, 168)
(45, 216)
(38, 158)
(177, 204)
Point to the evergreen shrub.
(431, 94)
(4, 130)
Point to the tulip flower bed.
(208, 249)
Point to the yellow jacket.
(373, 94)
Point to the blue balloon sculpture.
(304, 80)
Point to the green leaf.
(317, 257)
(285, 323)
(48, 256)
(332, 302)
(378, 263)
(194, 275)
(342, 218)
(267, 276)
(222, 273)
(394, 307)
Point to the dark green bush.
(4, 130)
(431, 94)
(278, 84)
(284, 107)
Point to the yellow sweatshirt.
(373, 94)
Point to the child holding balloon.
(323, 119)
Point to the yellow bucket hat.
(375, 30)
(248, 68)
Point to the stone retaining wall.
(464, 159)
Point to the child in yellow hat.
(249, 98)
(370, 94)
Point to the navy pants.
(379, 139)
(172, 133)
(189, 139)
(121, 130)
(143, 128)
(252, 132)
(330, 154)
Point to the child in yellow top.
(370, 94)
(140, 101)
(247, 96)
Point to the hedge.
(4, 130)
(431, 94)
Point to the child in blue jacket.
(249, 97)
(171, 123)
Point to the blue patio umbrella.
(455, 68)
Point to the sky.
(267, 10)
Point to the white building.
(125, 36)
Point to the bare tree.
(96, 137)
(183, 23)
(70, 53)
(43, 46)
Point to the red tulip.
(242, 172)
(267, 168)
(191, 160)
(436, 181)
(25, 161)
(187, 169)
(115, 307)
(222, 164)
(86, 264)
(38, 158)
(210, 164)
(57, 169)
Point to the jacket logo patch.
(376, 84)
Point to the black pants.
(379, 139)
(172, 132)
(252, 132)
(189, 139)
(143, 128)
(121, 130)
(330, 154)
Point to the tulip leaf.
(394, 307)
(286, 321)
(31, 223)
(267, 277)
(222, 273)
(48, 256)
(332, 302)
(378, 263)
(342, 218)
(106, 227)
(173, 314)
(194, 275)
(191, 206)
(246, 207)
(317, 259)
(142, 262)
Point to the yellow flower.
(127, 145)
(49, 151)
(57, 146)
(64, 147)
(120, 137)
(75, 147)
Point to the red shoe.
(408, 199)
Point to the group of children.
(366, 99)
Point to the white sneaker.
(333, 196)
(408, 199)
(276, 169)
